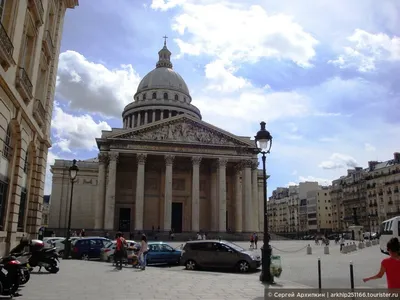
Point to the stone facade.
(138, 183)
(30, 38)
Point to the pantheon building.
(166, 168)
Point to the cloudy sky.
(322, 74)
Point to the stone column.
(132, 120)
(161, 114)
(222, 194)
(146, 117)
(169, 161)
(214, 198)
(101, 190)
(154, 116)
(139, 201)
(254, 184)
(238, 198)
(196, 193)
(169, 114)
(109, 206)
(247, 200)
(138, 118)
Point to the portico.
(176, 184)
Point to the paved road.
(96, 280)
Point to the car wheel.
(85, 256)
(190, 265)
(243, 266)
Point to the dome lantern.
(164, 56)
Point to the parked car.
(107, 253)
(49, 242)
(162, 253)
(88, 248)
(220, 255)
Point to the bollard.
(351, 276)
(326, 250)
(309, 250)
(319, 273)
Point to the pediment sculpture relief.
(184, 132)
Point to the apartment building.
(30, 36)
(287, 208)
(373, 192)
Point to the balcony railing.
(36, 7)
(39, 113)
(48, 44)
(24, 85)
(6, 49)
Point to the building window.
(7, 149)
(144, 96)
(21, 213)
(3, 202)
(154, 96)
(28, 45)
(176, 98)
(165, 96)
(184, 99)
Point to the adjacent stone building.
(30, 36)
(166, 168)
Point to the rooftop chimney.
(372, 164)
(396, 156)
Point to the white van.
(389, 229)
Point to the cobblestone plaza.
(97, 280)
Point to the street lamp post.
(263, 141)
(73, 172)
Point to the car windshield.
(235, 247)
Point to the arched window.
(176, 98)
(154, 96)
(165, 96)
(7, 150)
(184, 99)
(144, 96)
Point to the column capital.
(247, 163)
(113, 156)
(196, 160)
(169, 159)
(222, 162)
(238, 167)
(141, 158)
(103, 157)
(254, 164)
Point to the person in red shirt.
(119, 250)
(390, 266)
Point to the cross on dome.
(164, 56)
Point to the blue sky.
(324, 75)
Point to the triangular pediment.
(183, 129)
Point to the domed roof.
(163, 76)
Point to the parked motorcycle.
(10, 270)
(38, 255)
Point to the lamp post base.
(67, 249)
(265, 275)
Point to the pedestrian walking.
(252, 241)
(143, 252)
(390, 266)
(119, 251)
(255, 240)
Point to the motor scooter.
(10, 270)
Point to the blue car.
(87, 248)
(162, 253)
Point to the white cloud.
(369, 147)
(51, 157)
(321, 181)
(166, 4)
(222, 78)
(75, 132)
(367, 49)
(338, 161)
(92, 87)
(232, 32)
